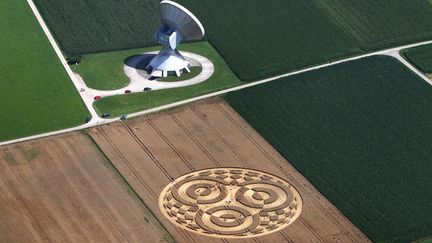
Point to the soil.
(63, 189)
(152, 152)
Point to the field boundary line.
(127, 184)
(286, 173)
(195, 140)
(62, 59)
(96, 120)
(199, 112)
(405, 62)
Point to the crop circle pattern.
(230, 202)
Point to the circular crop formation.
(230, 202)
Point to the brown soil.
(151, 152)
(62, 189)
(230, 203)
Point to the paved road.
(89, 104)
(138, 82)
(394, 52)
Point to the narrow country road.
(96, 120)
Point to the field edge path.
(96, 120)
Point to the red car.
(97, 97)
(128, 91)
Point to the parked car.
(147, 89)
(97, 97)
(128, 91)
(105, 115)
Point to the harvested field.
(63, 189)
(151, 152)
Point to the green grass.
(36, 95)
(428, 240)
(104, 71)
(222, 78)
(86, 26)
(421, 57)
(361, 133)
(377, 24)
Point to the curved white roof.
(178, 17)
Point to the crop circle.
(230, 202)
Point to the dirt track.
(152, 152)
(62, 189)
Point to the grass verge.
(222, 78)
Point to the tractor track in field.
(212, 135)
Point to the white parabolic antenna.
(178, 24)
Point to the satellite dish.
(178, 24)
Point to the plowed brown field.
(150, 152)
(63, 189)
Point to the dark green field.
(258, 39)
(378, 24)
(36, 94)
(361, 133)
(86, 26)
(421, 57)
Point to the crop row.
(361, 134)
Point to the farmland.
(85, 26)
(421, 57)
(36, 95)
(63, 189)
(212, 135)
(222, 78)
(265, 40)
(270, 39)
(377, 24)
(360, 132)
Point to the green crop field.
(222, 78)
(377, 24)
(86, 26)
(260, 39)
(257, 39)
(421, 57)
(361, 133)
(36, 95)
